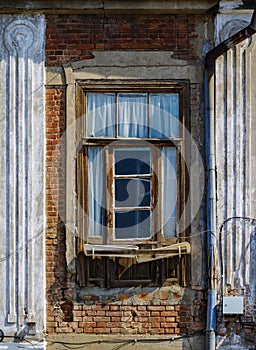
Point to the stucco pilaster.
(22, 173)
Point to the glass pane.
(164, 115)
(101, 115)
(132, 224)
(95, 183)
(169, 191)
(132, 115)
(132, 161)
(132, 192)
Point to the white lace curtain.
(136, 115)
(140, 116)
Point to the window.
(129, 178)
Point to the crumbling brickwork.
(155, 312)
(55, 199)
(170, 310)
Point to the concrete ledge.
(114, 65)
(138, 342)
(114, 6)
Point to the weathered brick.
(169, 313)
(115, 319)
(169, 330)
(101, 308)
(169, 324)
(74, 37)
(155, 313)
(52, 324)
(101, 330)
(101, 324)
(87, 324)
(155, 308)
(157, 331)
(155, 325)
(101, 319)
(71, 38)
(114, 307)
(114, 313)
(115, 330)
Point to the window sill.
(133, 252)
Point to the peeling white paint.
(22, 218)
(230, 4)
(228, 24)
(236, 154)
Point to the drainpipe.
(211, 212)
(211, 173)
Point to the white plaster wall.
(236, 159)
(22, 218)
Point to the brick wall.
(55, 204)
(71, 38)
(148, 315)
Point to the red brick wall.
(71, 38)
(117, 317)
(55, 204)
(74, 37)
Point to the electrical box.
(233, 305)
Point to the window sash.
(95, 186)
(169, 192)
(166, 215)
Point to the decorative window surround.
(108, 66)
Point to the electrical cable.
(49, 227)
(245, 218)
(43, 231)
(221, 233)
(70, 343)
(1, 335)
(28, 341)
(122, 341)
(221, 238)
(123, 345)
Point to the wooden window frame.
(83, 87)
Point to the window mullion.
(85, 220)
(148, 118)
(116, 110)
(158, 195)
(132, 208)
(141, 176)
(108, 152)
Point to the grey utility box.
(233, 305)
